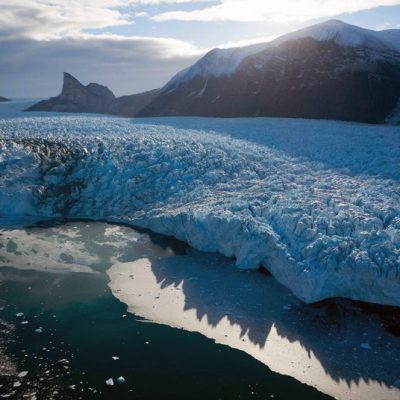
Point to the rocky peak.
(73, 90)
(76, 97)
(100, 91)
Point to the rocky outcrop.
(93, 98)
(4, 99)
(75, 97)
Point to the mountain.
(75, 97)
(130, 106)
(331, 70)
(327, 71)
(4, 99)
(93, 98)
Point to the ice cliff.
(316, 203)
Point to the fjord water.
(64, 295)
(56, 276)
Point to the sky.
(137, 45)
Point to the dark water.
(84, 326)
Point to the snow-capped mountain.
(347, 35)
(331, 70)
(223, 62)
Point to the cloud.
(39, 39)
(48, 19)
(31, 68)
(281, 11)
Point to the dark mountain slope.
(297, 77)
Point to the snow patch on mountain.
(323, 217)
(217, 62)
(346, 35)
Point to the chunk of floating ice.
(121, 380)
(115, 358)
(287, 307)
(365, 346)
(17, 384)
(110, 382)
(22, 374)
(123, 315)
(20, 314)
(72, 387)
(39, 330)
(24, 322)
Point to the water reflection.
(76, 247)
(335, 346)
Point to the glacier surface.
(317, 203)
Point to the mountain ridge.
(331, 70)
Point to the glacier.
(316, 203)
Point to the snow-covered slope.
(217, 62)
(346, 35)
(317, 203)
